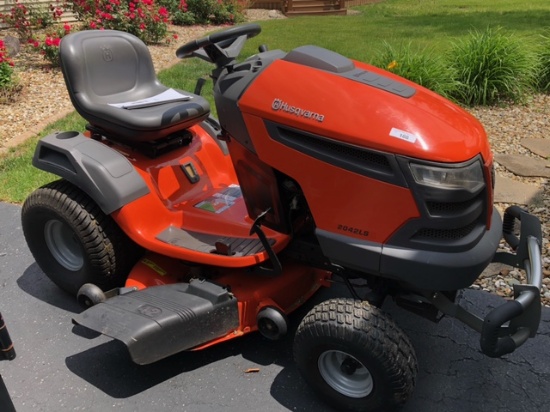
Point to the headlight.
(468, 177)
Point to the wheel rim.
(345, 374)
(63, 245)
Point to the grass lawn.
(426, 24)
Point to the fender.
(103, 173)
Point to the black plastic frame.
(103, 173)
(471, 222)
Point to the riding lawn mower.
(179, 231)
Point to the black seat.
(104, 67)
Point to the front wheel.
(73, 241)
(355, 357)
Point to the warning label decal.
(221, 201)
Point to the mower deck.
(162, 320)
(165, 307)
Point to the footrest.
(202, 242)
(160, 321)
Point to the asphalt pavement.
(60, 367)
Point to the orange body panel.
(363, 115)
(173, 201)
(332, 193)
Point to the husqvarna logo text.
(279, 104)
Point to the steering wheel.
(219, 44)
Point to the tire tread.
(110, 253)
(358, 323)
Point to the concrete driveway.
(60, 367)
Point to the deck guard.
(162, 320)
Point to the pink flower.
(163, 11)
(93, 25)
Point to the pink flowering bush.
(6, 68)
(188, 12)
(142, 18)
(49, 45)
(24, 18)
(19, 19)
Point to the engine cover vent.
(378, 165)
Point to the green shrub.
(421, 67)
(543, 59)
(493, 67)
(189, 12)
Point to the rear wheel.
(355, 357)
(73, 241)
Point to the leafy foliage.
(493, 66)
(24, 18)
(49, 45)
(6, 67)
(424, 68)
(142, 18)
(543, 57)
(189, 12)
(9, 84)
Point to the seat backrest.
(106, 66)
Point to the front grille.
(449, 208)
(445, 234)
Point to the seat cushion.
(104, 67)
(146, 123)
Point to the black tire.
(355, 357)
(73, 241)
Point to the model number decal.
(279, 104)
(354, 230)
